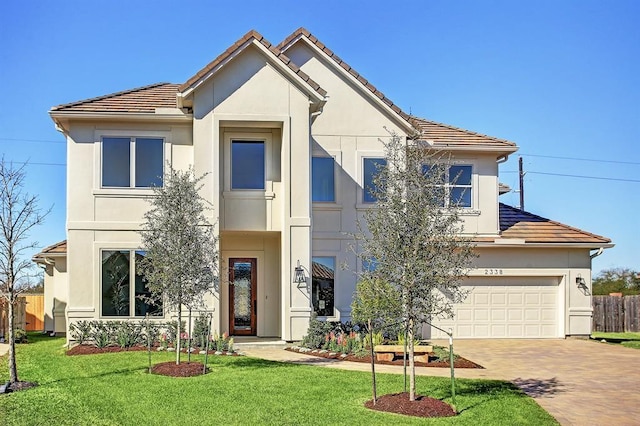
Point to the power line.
(33, 163)
(32, 140)
(582, 159)
(574, 176)
(584, 177)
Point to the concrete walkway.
(579, 382)
(4, 349)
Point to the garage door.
(506, 308)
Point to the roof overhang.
(61, 118)
(316, 99)
(589, 246)
(397, 118)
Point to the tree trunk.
(373, 365)
(412, 364)
(13, 369)
(178, 334)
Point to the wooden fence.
(616, 314)
(29, 314)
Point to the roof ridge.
(460, 129)
(573, 228)
(110, 95)
(348, 68)
(269, 46)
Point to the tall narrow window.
(247, 165)
(116, 156)
(323, 179)
(147, 155)
(115, 283)
(149, 162)
(372, 167)
(323, 278)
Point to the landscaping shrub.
(200, 331)
(127, 333)
(81, 331)
(100, 334)
(20, 336)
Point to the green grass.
(115, 389)
(616, 336)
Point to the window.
(247, 165)
(322, 279)
(323, 179)
(456, 185)
(121, 292)
(371, 168)
(132, 162)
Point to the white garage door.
(507, 307)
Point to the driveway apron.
(579, 382)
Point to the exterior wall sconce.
(580, 282)
(299, 276)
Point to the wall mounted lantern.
(299, 276)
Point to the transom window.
(322, 280)
(371, 168)
(323, 179)
(123, 291)
(132, 162)
(456, 182)
(247, 165)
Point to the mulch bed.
(18, 386)
(423, 406)
(184, 369)
(459, 362)
(92, 350)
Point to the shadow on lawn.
(249, 363)
(484, 391)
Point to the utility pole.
(521, 174)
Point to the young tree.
(181, 259)
(19, 214)
(414, 235)
(375, 303)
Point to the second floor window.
(456, 182)
(132, 162)
(247, 165)
(323, 180)
(372, 167)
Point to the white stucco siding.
(349, 111)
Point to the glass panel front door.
(242, 296)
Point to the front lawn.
(115, 389)
(628, 339)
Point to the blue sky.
(559, 78)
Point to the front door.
(242, 296)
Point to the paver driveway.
(579, 382)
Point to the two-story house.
(289, 136)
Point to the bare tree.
(19, 214)
(414, 235)
(181, 259)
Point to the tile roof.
(141, 99)
(515, 223)
(304, 32)
(276, 52)
(54, 249)
(320, 271)
(444, 134)
(438, 132)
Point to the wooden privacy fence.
(616, 314)
(29, 314)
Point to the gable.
(255, 43)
